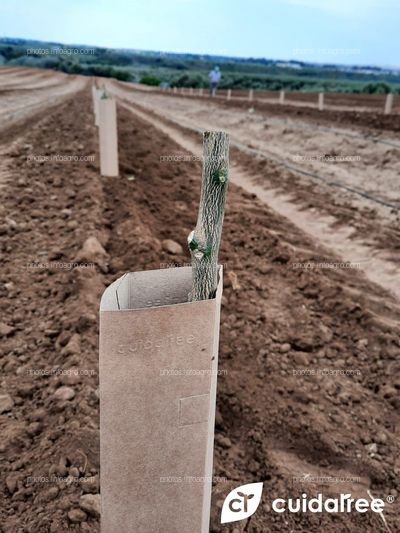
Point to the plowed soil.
(309, 387)
(370, 119)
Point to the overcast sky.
(329, 31)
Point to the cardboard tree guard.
(96, 94)
(158, 377)
(108, 137)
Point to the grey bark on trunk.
(204, 240)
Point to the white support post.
(96, 93)
(282, 97)
(388, 104)
(175, 90)
(321, 101)
(229, 94)
(251, 93)
(93, 98)
(201, 91)
(183, 90)
(108, 137)
(191, 90)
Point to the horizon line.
(365, 66)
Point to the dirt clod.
(6, 403)
(172, 247)
(91, 504)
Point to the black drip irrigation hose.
(339, 132)
(361, 192)
(292, 168)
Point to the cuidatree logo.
(243, 501)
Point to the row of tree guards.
(158, 362)
(388, 105)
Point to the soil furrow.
(322, 229)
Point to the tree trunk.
(205, 239)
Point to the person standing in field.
(214, 77)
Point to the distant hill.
(191, 70)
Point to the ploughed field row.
(372, 120)
(333, 101)
(349, 206)
(290, 142)
(27, 91)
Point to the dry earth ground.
(309, 357)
